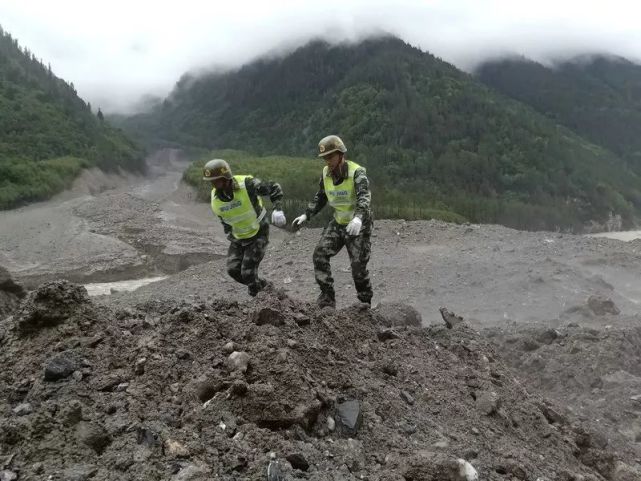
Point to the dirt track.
(527, 293)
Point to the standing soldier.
(345, 186)
(236, 200)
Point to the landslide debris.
(216, 389)
(10, 293)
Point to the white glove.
(299, 220)
(354, 226)
(278, 218)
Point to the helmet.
(216, 169)
(330, 144)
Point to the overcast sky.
(116, 51)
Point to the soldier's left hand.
(278, 218)
(354, 226)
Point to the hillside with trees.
(597, 97)
(431, 136)
(47, 133)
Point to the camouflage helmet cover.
(329, 144)
(216, 169)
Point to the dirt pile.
(10, 293)
(594, 373)
(209, 389)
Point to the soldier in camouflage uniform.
(236, 200)
(344, 185)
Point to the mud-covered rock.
(602, 305)
(392, 314)
(50, 304)
(10, 293)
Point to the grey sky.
(114, 52)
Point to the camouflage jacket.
(363, 194)
(255, 188)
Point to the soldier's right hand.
(299, 220)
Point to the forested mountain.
(430, 135)
(47, 133)
(598, 97)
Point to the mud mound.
(53, 303)
(10, 293)
(208, 390)
(594, 373)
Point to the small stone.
(349, 416)
(205, 390)
(390, 369)
(331, 424)
(487, 402)
(267, 315)
(23, 409)
(122, 387)
(450, 318)
(407, 397)
(77, 376)
(139, 367)
(6, 475)
(61, 366)
(239, 388)
(301, 319)
(442, 444)
(37, 468)
(229, 347)
(175, 449)
(79, 472)
(238, 361)
(386, 335)
(292, 343)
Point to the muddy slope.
(208, 389)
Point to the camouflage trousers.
(243, 259)
(333, 239)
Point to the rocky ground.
(209, 390)
(541, 381)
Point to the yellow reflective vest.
(341, 197)
(239, 213)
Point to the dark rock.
(239, 388)
(51, 304)
(450, 318)
(548, 336)
(147, 437)
(386, 335)
(267, 315)
(602, 305)
(301, 319)
(397, 314)
(298, 461)
(61, 366)
(93, 435)
(348, 416)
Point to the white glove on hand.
(299, 220)
(354, 226)
(278, 218)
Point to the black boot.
(326, 299)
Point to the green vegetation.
(47, 133)
(431, 136)
(597, 97)
(299, 178)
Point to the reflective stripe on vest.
(239, 213)
(342, 197)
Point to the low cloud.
(119, 51)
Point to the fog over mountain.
(119, 51)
